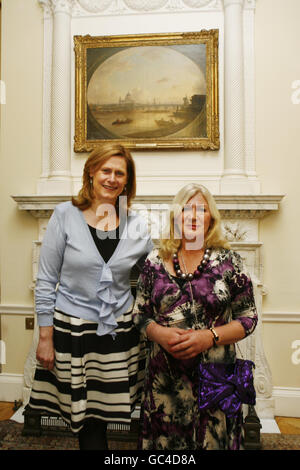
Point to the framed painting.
(154, 91)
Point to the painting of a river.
(147, 92)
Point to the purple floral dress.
(170, 416)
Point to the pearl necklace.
(190, 277)
(197, 272)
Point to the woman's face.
(195, 218)
(110, 179)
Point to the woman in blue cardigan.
(90, 361)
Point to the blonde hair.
(95, 160)
(214, 238)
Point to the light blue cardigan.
(74, 278)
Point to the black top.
(106, 242)
(179, 280)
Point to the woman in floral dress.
(194, 302)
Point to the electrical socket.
(29, 323)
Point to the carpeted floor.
(11, 439)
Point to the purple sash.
(226, 386)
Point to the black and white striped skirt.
(93, 376)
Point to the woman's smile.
(110, 188)
(110, 179)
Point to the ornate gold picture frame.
(154, 91)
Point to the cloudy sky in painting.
(147, 73)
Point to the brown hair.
(95, 160)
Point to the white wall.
(278, 166)
(21, 144)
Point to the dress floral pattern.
(170, 416)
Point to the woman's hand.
(163, 335)
(190, 344)
(45, 349)
(170, 336)
(193, 342)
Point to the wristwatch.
(215, 335)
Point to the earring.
(91, 181)
(125, 189)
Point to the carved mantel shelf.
(230, 206)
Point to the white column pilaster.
(249, 79)
(234, 176)
(60, 139)
(57, 132)
(47, 76)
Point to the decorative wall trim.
(281, 317)
(11, 387)
(9, 309)
(287, 401)
(85, 8)
(111, 7)
(267, 317)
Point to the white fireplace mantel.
(230, 206)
